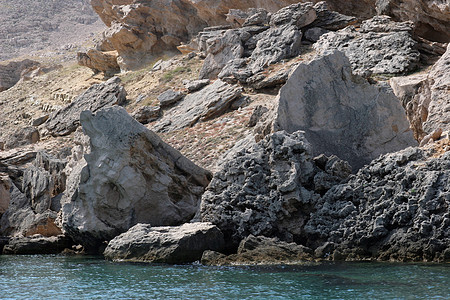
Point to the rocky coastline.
(343, 154)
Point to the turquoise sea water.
(65, 277)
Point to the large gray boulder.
(426, 98)
(130, 176)
(66, 120)
(202, 105)
(341, 113)
(268, 188)
(396, 208)
(173, 245)
(381, 46)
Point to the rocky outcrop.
(260, 250)
(381, 46)
(426, 98)
(33, 208)
(130, 176)
(22, 137)
(244, 52)
(10, 72)
(98, 96)
(99, 61)
(173, 245)
(341, 113)
(37, 245)
(268, 188)
(205, 104)
(431, 18)
(396, 208)
(146, 114)
(169, 97)
(139, 30)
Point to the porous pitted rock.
(330, 20)
(431, 17)
(381, 46)
(173, 245)
(426, 98)
(341, 113)
(130, 176)
(66, 120)
(99, 61)
(169, 97)
(141, 29)
(268, 188)
(146, 114)
(22, 137)
(396, 208)
(37, 245)
(205, 104)
(34, 210)
(10, 72)
(260, 250)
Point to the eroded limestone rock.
(130, 176)
(341, 113)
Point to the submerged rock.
(260, 250)
(341, 113)
(130, 176)
(173, 245)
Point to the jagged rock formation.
(431, 17)
(141, 29)
(173, 245)
(260, 250)
(130, 176)
(199, 106)
(244, 52)
(269, 188)
(10, 72)
(381, 46)
(33, 208)
(396, 208)
(426, 98)
(37, 245)
(28, 26)
(66, 120)
(341, 113)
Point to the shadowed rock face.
(129, 176)
(341, 113)
(10, 72)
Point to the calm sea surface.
(63, 277)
